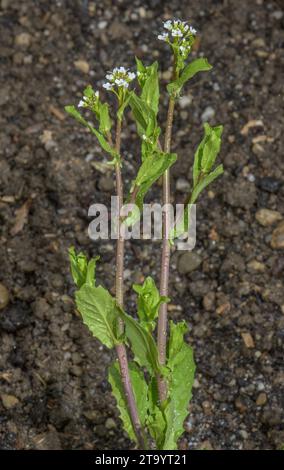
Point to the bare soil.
(53, 387)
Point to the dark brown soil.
(53, 387)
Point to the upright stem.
(165, 262)
(120, 240)
(120, 348)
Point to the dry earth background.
(53, 387)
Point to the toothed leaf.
(180, 382)
(142, 343)
(99, 314)
(149, 301)
(140, 390)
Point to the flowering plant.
(152, 389)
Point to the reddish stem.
(165, 262)
(120, 348)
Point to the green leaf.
(140, 390)
(182, 225)
(104, 118)
(141, 72)
(149, 301)
(142, 343)
(89, 92)
(176, 341)
(204, 159)
(150, 89)
(99, 314)
(82, 271)
(103, 143)
(198, 65)
(205, 181)
(180, 380)
(156, 422)
(150, 171)
(91, 270)
(79, 266)
(144, 116)
(207, 151)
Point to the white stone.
(102, 24)
(185, 101)
(207, 114)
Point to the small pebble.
(255, 265)
(15, 317)
(106, 183)
(76, 370)
(47, 441)
(182, 185)
(167, 75)
(188, 262)
(261, 399)
(267, 217)
(82, 65)
(206, 405)
(248, 340)
(110, 423)
(23, 40)
(258, 42)
(269, 184)
(277, 240)
(243, 434)
(239, 404)
(142, 12)
(185, 101)
(277, 15)
(251, 177)
(89, 157)
(102, 24)
(209, 301)
(9, 401)
(207, 114)
(4, 296)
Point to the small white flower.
(192, 30)
(107, 86)
(97, 94)
(177, 33)
(163, 36)
(182, 49)
(81, 104)
(120, 76)
(131, 75)
(168, 25)
(144, 137)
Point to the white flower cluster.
(119, 77)
(179, 33)
(88, 101)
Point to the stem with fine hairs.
(120, 348)
(166, 252)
